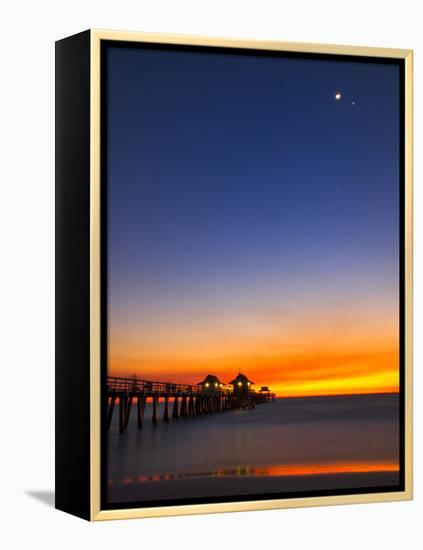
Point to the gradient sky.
(253, 220)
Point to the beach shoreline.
(236, 486)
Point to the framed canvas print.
(233, 275)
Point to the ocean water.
(286, 437)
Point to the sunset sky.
(253, 220)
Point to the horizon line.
(281, 396)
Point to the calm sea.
(287, 437)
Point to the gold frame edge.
(96, 514)
(95, 279)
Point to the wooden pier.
(180, 400)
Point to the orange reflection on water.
(277, 470)
(315, 469)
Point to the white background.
(28, 32)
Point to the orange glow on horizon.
(330, 347)
(287, 375)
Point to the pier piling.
(175, 408)
(154, 418)
(122, 409)
(128, 409)
(184, 412)
(111, 406)
(140, 409)
(188, 400)
(166, 409)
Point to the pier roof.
(241, 379)
(212, 381)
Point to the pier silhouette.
(185, 400)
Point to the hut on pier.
(210, 384)
(241, 384)
(265, 393)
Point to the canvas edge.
(72, 259)
(97, 514)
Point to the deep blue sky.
(240, 178)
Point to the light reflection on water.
(282, 470)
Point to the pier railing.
(135, 385)
(150, 387)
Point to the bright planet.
(338, 96)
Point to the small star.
(353, 103)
